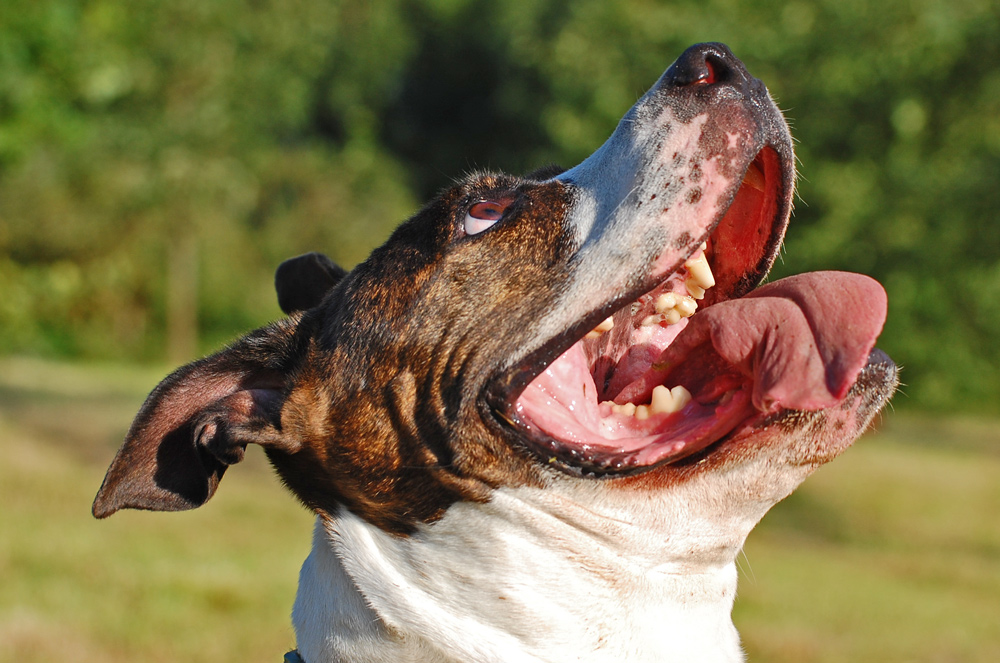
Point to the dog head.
(522, 331)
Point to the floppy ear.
(198, 421)
(302, 282)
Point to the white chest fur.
(533, 575)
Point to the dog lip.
(592, 463)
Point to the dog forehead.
(430, 271)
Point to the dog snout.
(706, 64)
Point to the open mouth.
(702, 354)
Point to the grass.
(890, 554)
(210, 585)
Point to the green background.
(159, 159)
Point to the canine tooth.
(700, 271)
(642, 412)
(693, 288)
(665, 302)
(607, 325)
(687, 306)
(681, 396)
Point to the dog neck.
(531, 575)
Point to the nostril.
(704, 64)
(708, 75)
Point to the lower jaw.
(638, 446)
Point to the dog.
(538, 423)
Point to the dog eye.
(484, 214)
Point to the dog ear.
(302, 282)
(198, 421)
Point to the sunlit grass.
(889, 554)
(210, 585)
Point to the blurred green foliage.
(157, 157)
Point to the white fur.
(576, 571)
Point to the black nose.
(706, 64)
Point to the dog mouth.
(702, 354)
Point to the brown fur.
(369, 401)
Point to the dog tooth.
(607, 325)
(700, 271)
(667, 401)
(665, 302)
(681, 396)
(642, 412)
(651, 320)
(693, 288)
(673, 316)
(625, 408)
(687, 306)
(662, 401)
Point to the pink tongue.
(802, 339)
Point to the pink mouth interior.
(797, 344)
